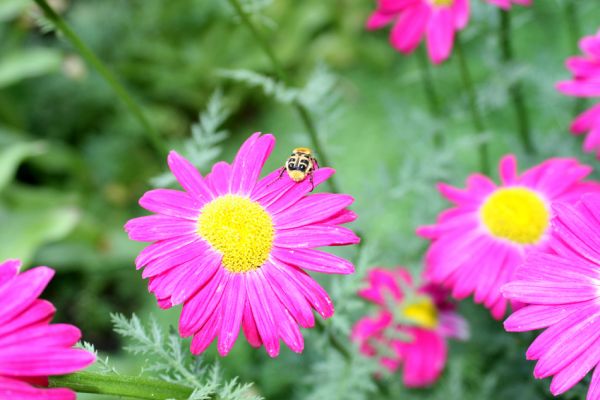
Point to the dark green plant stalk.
(105, 73)
(121, 385)
(301, 109)
(430, 92)
(473, 106)
(515, 90)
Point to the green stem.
(301, 109)
(515, 89)
(121, 385)
(574, 36)
(333, 339)
(112, 81)
(430, 92)
(473, 107)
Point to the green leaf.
(29, 63)
(26, 229)
(12, 156)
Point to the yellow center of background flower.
(442, 3)
(422, 312)
(516, 214)
(238, 228)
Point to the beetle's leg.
(278, 178)
(312, 183)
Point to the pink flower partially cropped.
(232, 248)
(31, 349)
(477, 245)
(507, 4)
(561, 285)
(437, 20)
(410, 328)
(586, 83)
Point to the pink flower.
(438, 20)
(477, 245)
(507, 4)
(586, 83)
(31, 349)
(411, 326)
(232, 248)
(561, 284)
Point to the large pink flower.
(233, 249)
(438, 20)
(586, 83)
(477, 245)
(410, 328)
(31, 349)
(562, 287)
(507, 4)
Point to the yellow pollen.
(442, 3)
(422, 312)
(238, 228)
(516, 214)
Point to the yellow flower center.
(442, 3)
(516, 214)
(238, 228)
(422, 312)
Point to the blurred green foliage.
(73, 162)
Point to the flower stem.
(301, 109)
(333, 340)
(515, 89)
(430, 92)
(104, 72)
(121, 385)
(473, 107)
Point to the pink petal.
(594, 391)
(260, 303)
(205, 336)
(248, 163)
(179, 255)
(171, 202)
(199, 308)
(55, 335)
(8, 270)
(313, 260)
(534, 317)
(379, 19)
(408, 31)
(460, 9)
(23, 291)
(161, 248)
(220, 178)
(40, 312)
(315, 236)
(312, 209)
(189, 178)
(440, 34)
(28, 360)
(568, 377)
(234, 300)
(249, 327)
(152, 228)
(18, 390)
(545, 292)
(508, 169)
(202, 271)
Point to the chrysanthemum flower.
(586, 83)
(477, 245)
(437, 20)
(232, 248)
(507, 4)
(410, 328)
(31, 349)
(561, 286)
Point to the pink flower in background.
(586, 83)
(437, 20)
(507, 4)
(232, 248)
(31, 349)
(477, 245)
(561, 284)
(410, 328)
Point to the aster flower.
(31, 349)
(437, 20)
(507, 4)
(477, 245)
(586, 83)
(410, 328)
(561, 285)
(232, 248)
